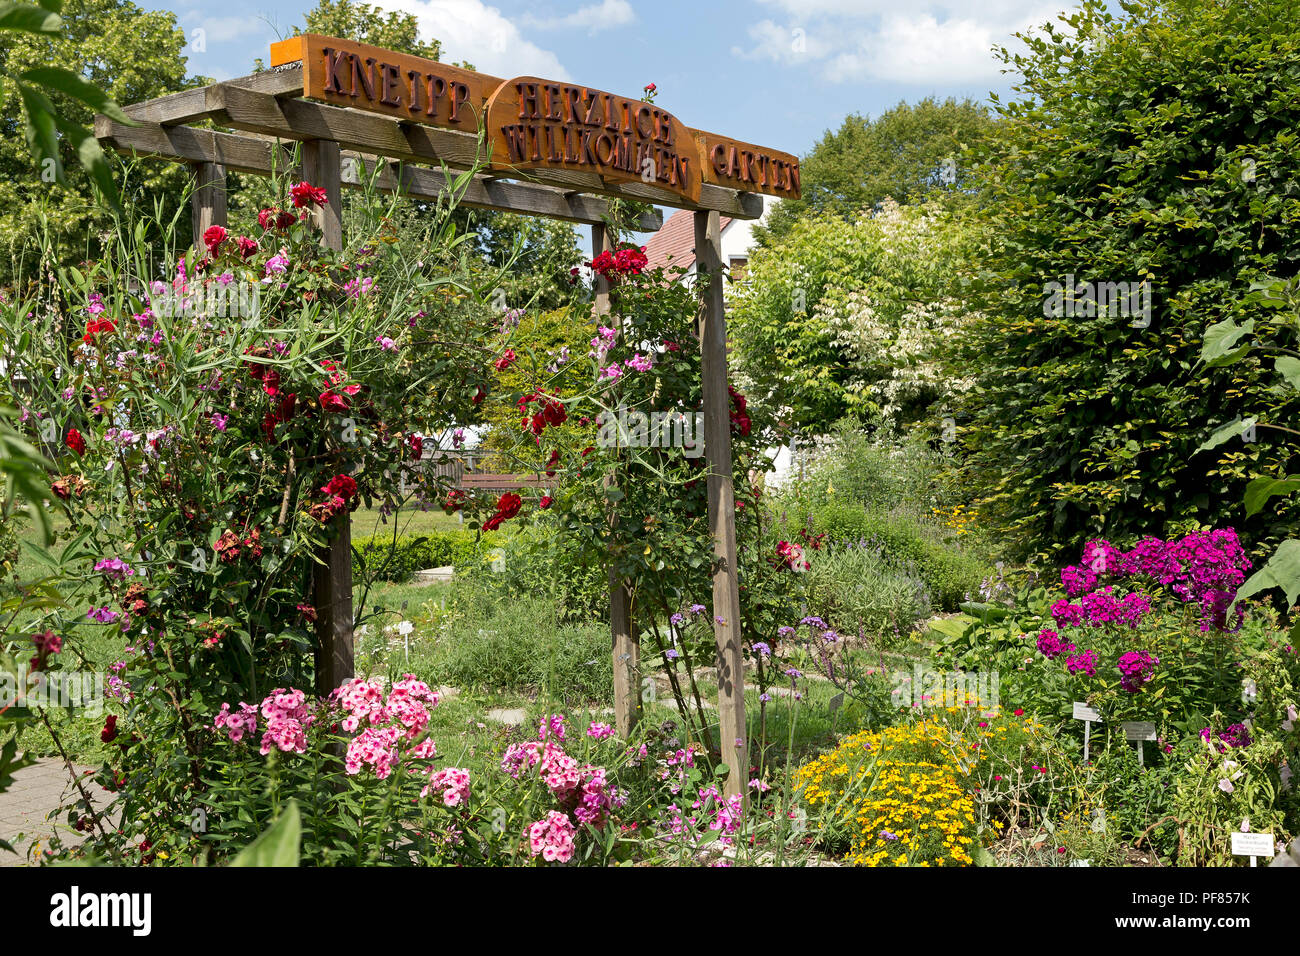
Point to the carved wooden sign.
(747, 168)
(399, 85)
(533, 123)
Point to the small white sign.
(1139, 730)
(1084, 712)
(1252, 844)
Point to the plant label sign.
(1139, 730)
(1087, 714)
(1252, 845)
(1136, 731)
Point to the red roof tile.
(674, 243)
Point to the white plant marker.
(1087, 714)
(1138, 731)
(1253, 845)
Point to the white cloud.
(941, 42)
(601, 16)
(223, 29)
(781, 44)
(920, 50)
(471, 30)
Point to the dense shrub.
(387, 558)
(517, 645)
(950, 574)
(1170, 159)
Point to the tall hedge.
(1159, 143)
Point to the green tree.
(367, 24)
(1171, 159)
(838, 318)
(128, 54)
(909, 153)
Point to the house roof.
(674, 243)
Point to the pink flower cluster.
(396, 722)
(1101, 608)
(1135, 669)
(710, 811)
(287, 719)
(452, 781)
(237, 724)
(552, 838)
(1203, 568)
(1051, 646)
(583, 791)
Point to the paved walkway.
(36, 791)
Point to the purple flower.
(115, 568)
(102, 614)
(1051, 646)
(1086, 662)
(219, 421)
(1136, 668)
(762, 648)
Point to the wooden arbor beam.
(722, 502)
(249, 154)
(261, 104)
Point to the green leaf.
(1261, 489)
(65, 81)
(39, 128)
(279, 845)
(30, 19)
(1223, 433)
(91, 156)
(1289, 368)
(1217, 348)
(1281, 571)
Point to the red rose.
(247, 247)
(75, 441)
(546, 501)
(650, 87)
(506, 360)
(331, 401)
(305, 194)
(284, 220)
(342, 485)
(508, 506)
(416, 444)
(109, 733)
(213, 237)
(95, 327)
(478, 397)
(266, 218)
(551, 462)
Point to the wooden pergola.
(556, 150)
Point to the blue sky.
(773, 72)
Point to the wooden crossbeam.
(263, 104)
(249, 155)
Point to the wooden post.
(208, 201)
(722, 504)
(624, 639)
(332, 580)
